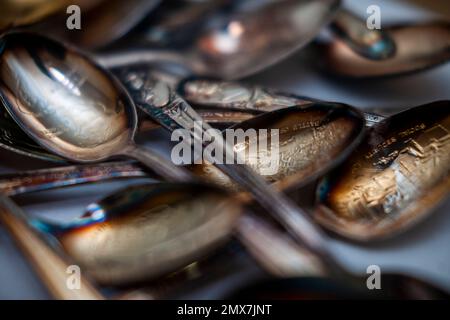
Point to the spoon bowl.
(393, 180)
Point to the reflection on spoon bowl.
(241, 44)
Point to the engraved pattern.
(399, 169)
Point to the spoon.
(419, 47)
(49, 265)
(243, 44)
(393, 180)
(13, 138)
(380, 215)
(40, 83)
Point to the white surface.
(423, 251)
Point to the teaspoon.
(68, 105)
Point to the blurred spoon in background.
(397, 176)
(40, 83)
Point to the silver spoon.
(50, 265)
(372, 205)
(227, 95)
(243, 44)
(41, 82)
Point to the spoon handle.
(163, 167)
(372, 44)
(51, 267)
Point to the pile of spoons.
(83, 103)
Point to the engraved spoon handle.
(50, 266)
(47, 179)
(372, 44)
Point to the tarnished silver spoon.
(418, 47)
